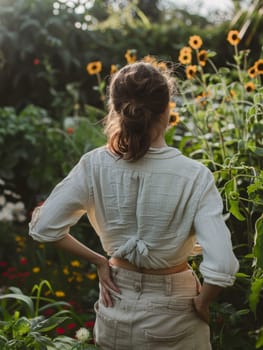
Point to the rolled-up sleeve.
(63, 208)
(219, 264)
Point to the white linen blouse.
(150, 212)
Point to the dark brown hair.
(138, 94)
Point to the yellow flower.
(75, 263)
(202, 99)
(66, 271)
(162, 66)
(232, 93)
(79, 278)
(172, 105)
(91, 276)
(94, 67)
(233, 37)
(130, 56)
(252, 72)
(259, 66)
(195, 42)
(202, 57)
(150, 59)
(185, 49)
(41, 246)
(185, 57)
(174, 119)
(113, 68)
(191, 71)
(59, 294)
(250, 86)
(36, 269)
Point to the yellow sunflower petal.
(195, 42)
(94, 67)
(259, 66)
(233, 37)
(191, 71)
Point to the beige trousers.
(151, 313)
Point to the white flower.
(82, 334)
(2, 200)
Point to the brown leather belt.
(125, 264)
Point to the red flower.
(89, 324)
(49, 312)
(36, 62)
(60, 330)
(70, 131)
(23, 261)
(71, 326)
(3, 264)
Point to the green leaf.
(257, 150)
(255, 291)
(259, 342)
(258, 245)
(27, 300)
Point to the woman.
(144, 200)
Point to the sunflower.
(172, 105)
(162, 66)
(185, 57)
(195, 42)
(185, 49)
(150, 59)
(174, 118)
(113, 68)
(130, 56)
(233, 37)
(202, 57)
(94, 67)
(259, 66)
(252, 71)
(191, 71)
(250, 86)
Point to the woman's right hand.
(106, 283)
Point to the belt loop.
(168, 285)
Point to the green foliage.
(30, 330)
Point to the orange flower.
(190, 71)
(233, 37)
(185, 49)
(130, 56)
(250, 86)
(172, 105)
(185, 57)
(162, 66)
(150, 59)
(195, 42)
(113, 68)
(70, 131)
(259, 66)
(252, 71)
(232, 93)
(202, 99)
(94, 67)
(174, 118)
(202, 57)
(59, 294)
